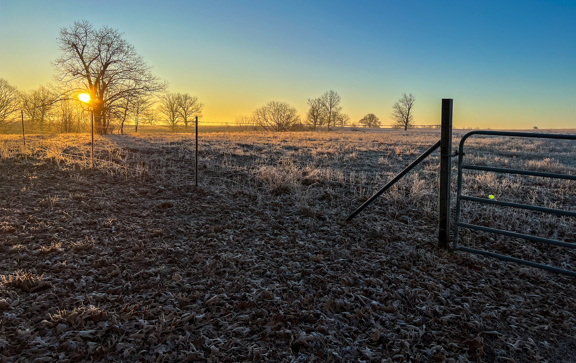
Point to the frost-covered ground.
(130, 262)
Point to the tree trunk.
(137, 119)
(124, 119)
(407, 120)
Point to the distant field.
(129, 261)
(16, 129)
(209, 127)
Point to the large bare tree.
(101, 62)
(316, 115)
(9, 102)
(276, 116)
(188, 108)
(331, 103)
(169, 108)
(402, 111)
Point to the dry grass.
(25, 281)
(257, 264)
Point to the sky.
(507, 64)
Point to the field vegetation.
(129, 261)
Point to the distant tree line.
(123, 91)
(121, 86)
(324, 111)
(179, 107)
(53, 109)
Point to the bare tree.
(402, 111)
(188, 108)
(370, 120)
(68, 115)
(39, 104)
(150, 117)
(316, 114)
(102, 62)
(331, 103)
(341, 119)
(143, 110)
(9, 102)
(244, 122)
(121, 112)
(276, 116)
(169, 108)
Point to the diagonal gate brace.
(393, 181)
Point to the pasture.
(129, 261)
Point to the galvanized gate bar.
(459, 198)
(518, 235)
(520, 172)
(518, 261)
(519, 134)
(393, 181)
(523, 206)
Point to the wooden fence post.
(445, 173)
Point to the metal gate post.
(445, 173)
(196, 158)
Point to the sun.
(84, 97)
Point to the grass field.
(129, 261)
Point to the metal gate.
(457, 224)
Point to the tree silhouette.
(276, 116)
(188, 108)
(39, 104)
(9, 101)
(341, 119)
(142, 110)
(370, 120)
(402, 111)
(316, 113)
(170, 108)
(102, 62)
(331, 103)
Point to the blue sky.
(506, 64)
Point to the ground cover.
(129, 261)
